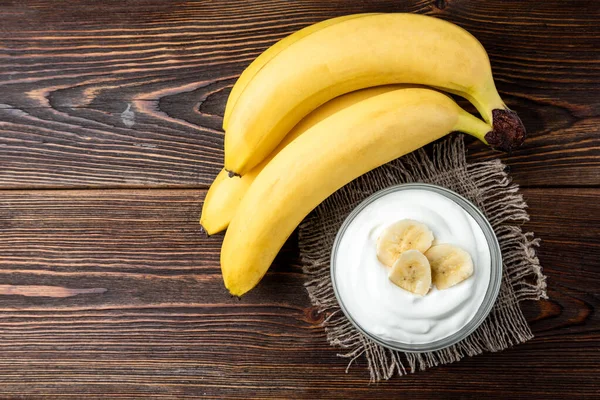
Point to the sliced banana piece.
(401, 236)
(412, 272)
(449, 265)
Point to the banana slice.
(449, 265)
(412, 272)
(402, 236)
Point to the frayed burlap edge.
(488, 186)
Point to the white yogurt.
(394, 314)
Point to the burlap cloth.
(489, 187)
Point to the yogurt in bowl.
(392, 316)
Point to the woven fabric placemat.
(489, 187)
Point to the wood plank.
(116, 292)
(70, 70)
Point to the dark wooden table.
(107, 286)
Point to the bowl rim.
(494, 283)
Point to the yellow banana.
(222, 199)
(357, 53)
(271, 52)
(225, 193)
(325, 157)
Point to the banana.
(402, 236)
(328, 155)
(225, 194)
(357, 53)
(221, 201)
(450, 265)
(271, 52)
(412, 272)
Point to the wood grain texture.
(131, 93)
(113, 291)
(116, 292)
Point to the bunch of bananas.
(330, 103)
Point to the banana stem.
(486, 101)
(507, 132)
(482, 108)
(473, 126)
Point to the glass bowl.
(491, 293)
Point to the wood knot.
(440, 4)
(313, 316)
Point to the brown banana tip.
(508, 133)
(232, 174)
(233, 296)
